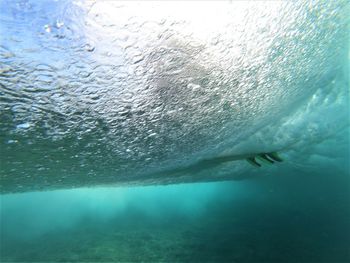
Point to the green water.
(266, 220)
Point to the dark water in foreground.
(291, 218)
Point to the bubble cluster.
(104, 92)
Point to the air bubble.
(25, 125)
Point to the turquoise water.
(125, 129)
(291, 218)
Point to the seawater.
(289, 218)
(114, 116)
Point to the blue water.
(125, 130)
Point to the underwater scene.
(174, 131)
